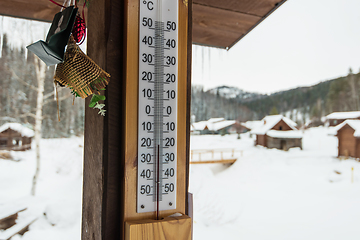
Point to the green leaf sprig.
(94, 103)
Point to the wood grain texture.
(206, 30)
(222, 161)
(218, 27)
(171, 228)
(96, 176)
(41, 10)
(114, 132)
(258, 8)
(188, 102)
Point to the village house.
(212, 126)
(348, 134)
(15, 137)
(336, 118)
(278, 132)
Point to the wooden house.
(278, 132)
(14, 136)
(348, 134)
(336, 118)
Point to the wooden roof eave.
(256, 24)
(219, 24)
(222, 24)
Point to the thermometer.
(157, 108)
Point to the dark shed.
(14, 136)
(348, 134)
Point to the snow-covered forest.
(18, 81)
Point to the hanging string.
(56, 3)
(79, 29)
(57, 101)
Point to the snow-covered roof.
(216, 126)
(198, 126)
(354, 124)
(213, 124)
(24, 131)
(252, 124)
(285, 134)
(343, 115)
(270, 121)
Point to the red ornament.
(79, 30)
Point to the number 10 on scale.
(157, 108)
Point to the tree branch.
(28, 114)
(22, 81)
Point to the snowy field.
(277, 195)
(265, 194)
(57, 203)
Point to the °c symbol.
(150, 5)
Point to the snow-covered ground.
(57, 203)
(272, 194)
(265, 194)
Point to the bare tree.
(40, 69)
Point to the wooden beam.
(102, 166)
(110, 154)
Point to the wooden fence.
(225, 156)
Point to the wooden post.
(103, 165)
(110, 153)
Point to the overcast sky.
(302, 43)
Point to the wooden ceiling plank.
(258, 8)
(218, 27)
(220, 19)
(41, 10)
(210, 37)
(215, 22)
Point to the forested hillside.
(300, 104)
(205, 105)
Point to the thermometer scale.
(157, 112)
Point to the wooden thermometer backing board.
(132, 76)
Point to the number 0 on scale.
(157, 113)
